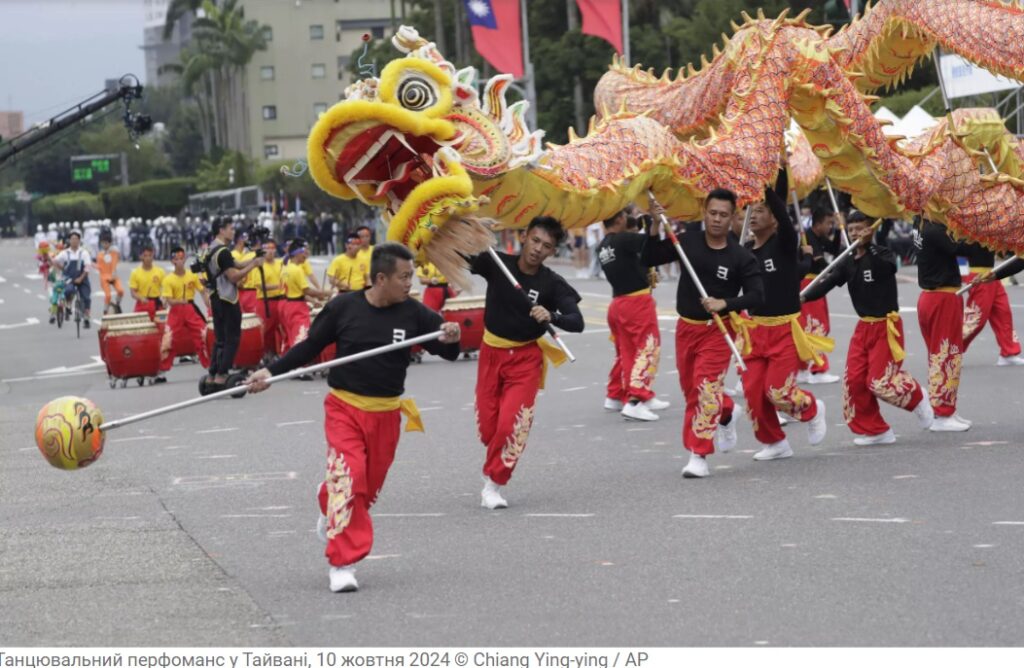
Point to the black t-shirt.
(977, 255)
(723, 272)
(819, 247)
(620, 255)
(507, 310)
(225, 260)
(871, 280)
(354, 325)
(936, 257)
(779, 259)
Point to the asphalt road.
(197, 528)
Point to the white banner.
(963, 78)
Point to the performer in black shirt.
(774, 341)
(702, 354)
(514, 353)
(633, 321)
(987, 303)
(823, 241)
(874, 362)
(940, 312)
(363, 409)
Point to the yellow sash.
(943, 289)
(892, 334)
(807, 345)
(691, 321)
(408, 407)
(552, 353)
(645, 291)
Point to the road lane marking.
(1009, 523)
(241, 516)
(575, 389)
(713, 517)
(903, 477)
(217, 457)
(559, 515)
(289, 424)
(28, 322)
(376, 515)
(216, 431)
(139, 438)
(879, 520)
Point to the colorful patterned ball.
(68, 432)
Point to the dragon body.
(422, 144)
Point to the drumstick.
(515, 283)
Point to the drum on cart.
(468, 312)
(250, 347)
(133, 351)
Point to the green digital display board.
(89, 168)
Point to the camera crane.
(129, 89)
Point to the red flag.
(497, 33)
(603, 18)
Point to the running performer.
(987, 303)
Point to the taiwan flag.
(603, 18)
(497, 33)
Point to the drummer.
(436, 290)
(145, 282)
(349, 271)
(294, 311)
(273, 334)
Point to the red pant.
(634, 324)
(184, 323)
(873, 374)
(148, 306)
(815, 320)
(507, 381)
(249, 302)
(273, 331)
(988, 303)
(941, 316)
(769, 383)
(295, 320)
(702, 358)
(360, 448)
(434, 296)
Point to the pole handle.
(832, 265)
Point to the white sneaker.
(783, 418)
(321, 520)
(948, 424)
(638, 411)
(697, 467)
(1015, 360)
(725, 436)
(779, 450)
(817, 427)
(960, 418)
(924, 412)
(343, 578)
(656, 404)
(739, 388)
(823, 379)
(490, 496)
(885, 438)
(803, 376)
(612, 404)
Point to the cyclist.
(74, 261)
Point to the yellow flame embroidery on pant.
(302, 334)
(895, 386)
(709, 407)
(339, 494)
(645, 366)
(516, 442)
(972, 318)
(790, 398)
(944, 374)
(814, 326)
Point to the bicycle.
(57, 303)
(73, 305)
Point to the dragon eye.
(416, 93)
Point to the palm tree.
(177, 9)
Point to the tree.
(176, 9)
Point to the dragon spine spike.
(760, 14)
(735, 26)
(747, 20)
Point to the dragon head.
(413, 141)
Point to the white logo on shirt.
(606, 255)
(533, 295)
(399, 335)
(918, 240)
(722, 273)
(769, 264)
(868, 278)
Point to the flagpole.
(531, 91)
(625, 32)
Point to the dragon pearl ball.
(68, 432)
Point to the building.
(160, 53)
(12, 124)
(305, 68)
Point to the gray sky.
(55, 53)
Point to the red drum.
(133, 351)
(250, 348)
(468, 312)
(327, 354)
(118, 319)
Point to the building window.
(319, 70)
(343, 62)
(270, 151)
(269, 112)
(268, 33)
(267, 73)
(319, 108)
(316, 32)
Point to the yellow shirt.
(295, 282)
(352, 270)
(365, 254)
(252, 279)
(146, 283)
(180, 287)
(428, 271)
(272, 275)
